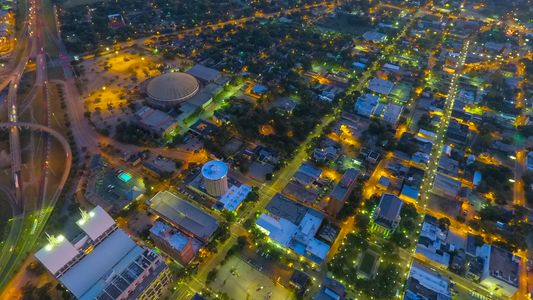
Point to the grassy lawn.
(367, 263)
(50, 48)
(19, 17)
(23, 45)
(56, 73)
(26, 85)
(48, 10)
(5, 215)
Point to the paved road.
(45, 213)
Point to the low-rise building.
(425, 283)
(448, 166)
(310, 170)
(392, 113)
(457, 133)
(331, 289)
(183, 215)
(366, 104)
(446, 186)
(159, 166)
(431, 243)
(380, 86)
(232, 199)
(179, 246)
(155, 121)
(375, 37)
(204, 74)
(501, 272)
(529, 161)
(386, 217)
(292, 225)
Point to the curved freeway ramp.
(8, 261)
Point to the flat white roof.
(98, 222)
(54, 257)
(214, 169)
(90, 269)
(234, 196)
(280, 230)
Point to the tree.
(230, 217)
(248, 224)
(444, 223)
(211, 276)
(520, 213)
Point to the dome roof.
(172, 87)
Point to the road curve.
(45, 213)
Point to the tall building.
(177, 245)
(342, 191)
(215, 175)
(386, 217)
(103, 263)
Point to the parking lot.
(241, 281)
(113, 186)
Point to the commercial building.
(183, 215)
(446, 186)
(457, 133)
(501, 271)
(341, 191)
(159, 166)
(366, 105)
(204, 74)
(380, 86)
(424, 283)
(232, 198)
(155, 121)
(174, 243)
(215, 175)
(292, 225)
(386, 217)
(104, 263)
(392, 113)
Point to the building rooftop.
(204, 128)
(234, 196)
(304, 177)
(380, 86)
(410, 192)
(427, 283)
(504, 266)
(160, 165)
(204, 73)
(390, 206)
(299, 278)
(115, 252)
(284, 207)
(447, 183)
(448, 166)
(260, 89)
(340, 190)
(55, 255)
(184, 214)
(172, 87)
(96, 222)
(200, 99)
(310, 170)
(169, 234)
(384, 181)
(393, 110)
(214, 170)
